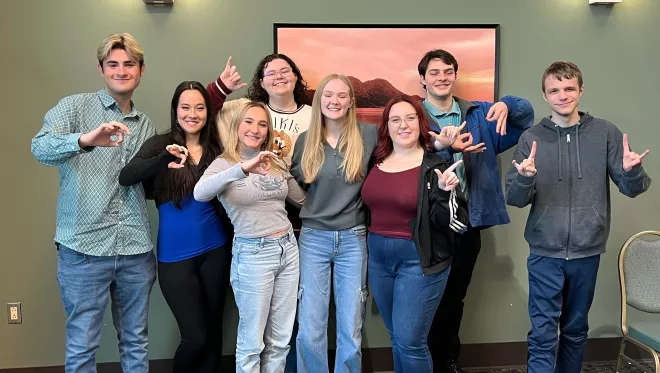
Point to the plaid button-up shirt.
(95, 215)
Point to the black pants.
(196, 289)
(443, 340)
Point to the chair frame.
(624, 325)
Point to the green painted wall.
(48, 51)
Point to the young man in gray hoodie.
(575, 155)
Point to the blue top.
(486, 202)
(187, 232)
(184, 232)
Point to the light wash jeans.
(264, 277)
(86, 283)
(342, 254)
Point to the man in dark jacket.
(569, 221)
(489, 129)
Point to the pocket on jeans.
(246, 249)
(359, 230)
(70, 256)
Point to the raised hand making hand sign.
(106, 135)
(527, 167)
(260, 164)
(447, 136)
(178, 151)
(499, 111)
(448, 180)
(231, 78)
(631, 159)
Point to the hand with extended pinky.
(499, 112)
(107, 135)
(178, 151)
(231, 78)
(446, 137)
(260, 164)
(448, 180)
(631, 159)
(527, 167)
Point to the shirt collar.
(455, 109)
(108, 101)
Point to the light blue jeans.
(86, 283)
(264, 278)
(342, 254)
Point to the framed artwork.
(381, 60)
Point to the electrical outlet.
(14, 315)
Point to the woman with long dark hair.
(193, 237)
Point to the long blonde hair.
(231, 143)
(350, 145)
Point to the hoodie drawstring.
(547, 122)
(559, 175)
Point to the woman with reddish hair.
(415, 213)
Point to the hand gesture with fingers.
(260, 164)
(499, 111)
(631, 159)
(231, 78)
(446, 137)
(448, 180)
(107, 135)
(464, 144)
(178, 151)
(527, 167)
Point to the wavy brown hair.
(257, 93)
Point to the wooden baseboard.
(480, 355)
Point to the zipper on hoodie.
(570, 197)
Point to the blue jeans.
(291, 361)
(85, 282)
(406, 299)
(560, 295)
(342, 254)
(264, 277)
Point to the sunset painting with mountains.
(382, 62)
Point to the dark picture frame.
(381, 59)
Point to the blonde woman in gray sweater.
(252, 184)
